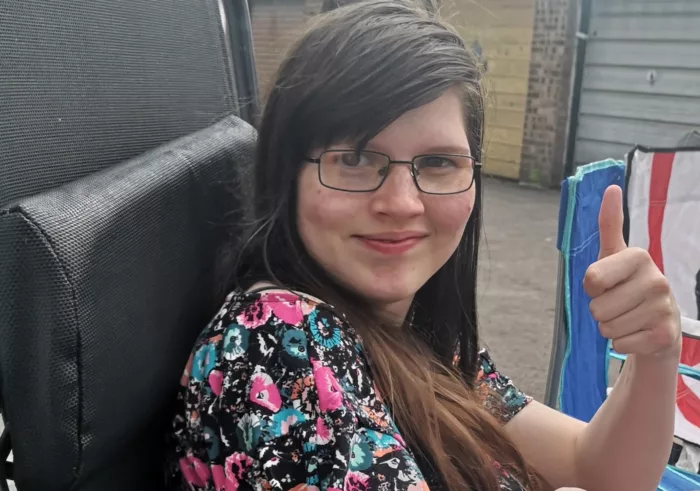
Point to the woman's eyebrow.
(450, 149)
(458, 149)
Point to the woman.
(347, 355)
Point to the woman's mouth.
(391, 243)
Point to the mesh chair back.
(86, 84)
(104, 284)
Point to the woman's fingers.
(641, 318)
(645, 342)
(610, 271)
(623, 298)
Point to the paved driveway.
(518, 279)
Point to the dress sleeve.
(277, 397)
(497, 392)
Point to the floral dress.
(278, 395)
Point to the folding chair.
(663, 206)
(578, 382)
(123, 155)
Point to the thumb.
(610, 222)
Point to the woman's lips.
(390, 245)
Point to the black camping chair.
(122, 154)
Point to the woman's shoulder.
(279, 342)
(274, 311)
(279, 332)
(497, 391)
(276, 349)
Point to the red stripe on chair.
(660, 177)
(662, 164)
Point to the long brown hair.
(354, 72)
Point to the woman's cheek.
(450, 214)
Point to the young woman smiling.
(347, 354)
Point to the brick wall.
(549, 91)
(277, 24)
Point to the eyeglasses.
(365, 171)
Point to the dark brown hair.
(358, 69)
(328, 5)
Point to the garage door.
(641, 78)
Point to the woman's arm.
(628, 441)
(624, 447)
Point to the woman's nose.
(398, 195)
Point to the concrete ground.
(518, 280)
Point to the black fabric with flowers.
(278, 395)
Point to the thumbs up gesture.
(630, 298)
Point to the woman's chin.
(390, 298)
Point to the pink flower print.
(323, 433)
(330, 395)
(286, 308)
(256, 314)
(236, 466)
(264, 392)
(356, 481)
(216, 379)
(194, 471)
(399, 439)
(217, 473)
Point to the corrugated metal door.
(641, 78)
(502, 30)
(277, 24)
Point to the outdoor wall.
(502, 30)
(276, 26)
(549, 92)
(527, 49)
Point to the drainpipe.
(575, 99)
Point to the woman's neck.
(395, 312)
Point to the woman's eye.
(435, 162)
(352, 159)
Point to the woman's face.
(347, 233)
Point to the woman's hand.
(631, 298)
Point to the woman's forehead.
(436, 127)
